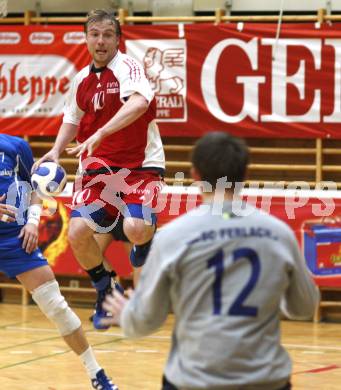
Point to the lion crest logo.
(164, 63)
(159, 68)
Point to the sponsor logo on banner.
(164, 63)
(294, 92)
(34, 85)
(41, 38)
(9, 38)
(74, 38)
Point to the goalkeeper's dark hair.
(217, 155)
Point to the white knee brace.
(52, 303)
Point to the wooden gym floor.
(34, 357)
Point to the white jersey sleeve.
(72, 113)
(132, 78)
(302, 296)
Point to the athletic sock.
(90, 363)
(139, 254)
(97, 273)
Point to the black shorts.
(117, 232)
(166, 385)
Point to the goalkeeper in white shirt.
(226, 270)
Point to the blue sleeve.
(25, 160)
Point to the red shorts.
(115, 190)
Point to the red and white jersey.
(96, 96)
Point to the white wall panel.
(204, 5)
(273, 5)
(57, 5)
(137, 5)
(170, 7)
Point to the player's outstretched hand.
(7, 212)
(29, 234)
(52, 155)
(114, 304)
(90, 145)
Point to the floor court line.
(36, 341)
(146, 351)
(120, 334)
(32, 360)
(318, 370)
(306, 346)
(29, 343)
(51, 355)
(40, 340)
(21, 352)
(13, 324)
(88, 331)
(24, 328)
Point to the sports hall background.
(267, 71)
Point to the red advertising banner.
(37, 64)
(229, 77)
(237, 78)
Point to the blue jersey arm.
(26, 161)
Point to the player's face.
(102, 42)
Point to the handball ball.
(49, 178)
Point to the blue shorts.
(14, 260)
(103, 219)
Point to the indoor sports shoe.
(104, 287)
(102, 382)
(139, 253)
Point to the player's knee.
(79, 232)
(137, 231)
(135, 236)
(53, 305)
